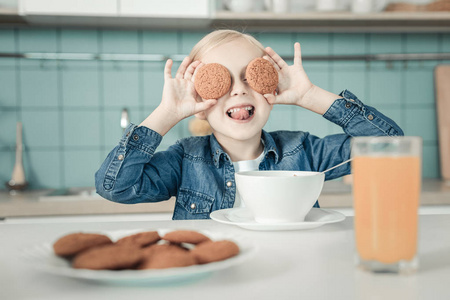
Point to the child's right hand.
(179, 97)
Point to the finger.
(183, 67)
(270, 98)
(204, 105)
(191, 69)
(266, 57)
(276, 58)
(297, 54)
(168, 69)
(281, 98)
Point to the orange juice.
(386, 198)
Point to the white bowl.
(279, 196)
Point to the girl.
(199, 171)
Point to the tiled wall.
(71, 110)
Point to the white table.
(305, 264)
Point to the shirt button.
(120, 157)
(348, 105)
(370, 117)
(229, 184)
(193, 206)
(135, 137)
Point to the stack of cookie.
(144, 250)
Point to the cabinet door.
(69, 7)
(172, 8)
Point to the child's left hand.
(293, 81)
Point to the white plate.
(43, 258)
(242, 217)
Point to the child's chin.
(243, 136)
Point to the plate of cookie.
(139, 256)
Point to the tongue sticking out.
(242, 114)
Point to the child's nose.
(239, 87)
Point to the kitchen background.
(71, 110)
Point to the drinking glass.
(386, 190)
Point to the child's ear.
(201, 115)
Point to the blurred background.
(74, 73)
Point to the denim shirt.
(201, 175)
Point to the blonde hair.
(220, 37)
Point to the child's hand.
(293, 81)
(179, 96)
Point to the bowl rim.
(264, 173)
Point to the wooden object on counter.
(199, 127)
(442, 80)
(439, 5)
(404, 6)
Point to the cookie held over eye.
(212, 81)
(262, 76)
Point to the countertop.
(335, 194)
(303, 264)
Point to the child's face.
(247, 122)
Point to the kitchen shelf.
(10, 16)
(339, 21)
(117, 57)
(258, 21)
(41, 56)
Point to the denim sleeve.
(134, 173)
(356, 119)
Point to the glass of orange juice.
(386, 191)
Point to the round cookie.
(74, 243)
(156, 248)
(168, 259)
(140, 239)
(215, 251)
(110, 257)
(262, 76)
(185, 236)
(212, 81)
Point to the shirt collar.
(217, 151)
(270, 146)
